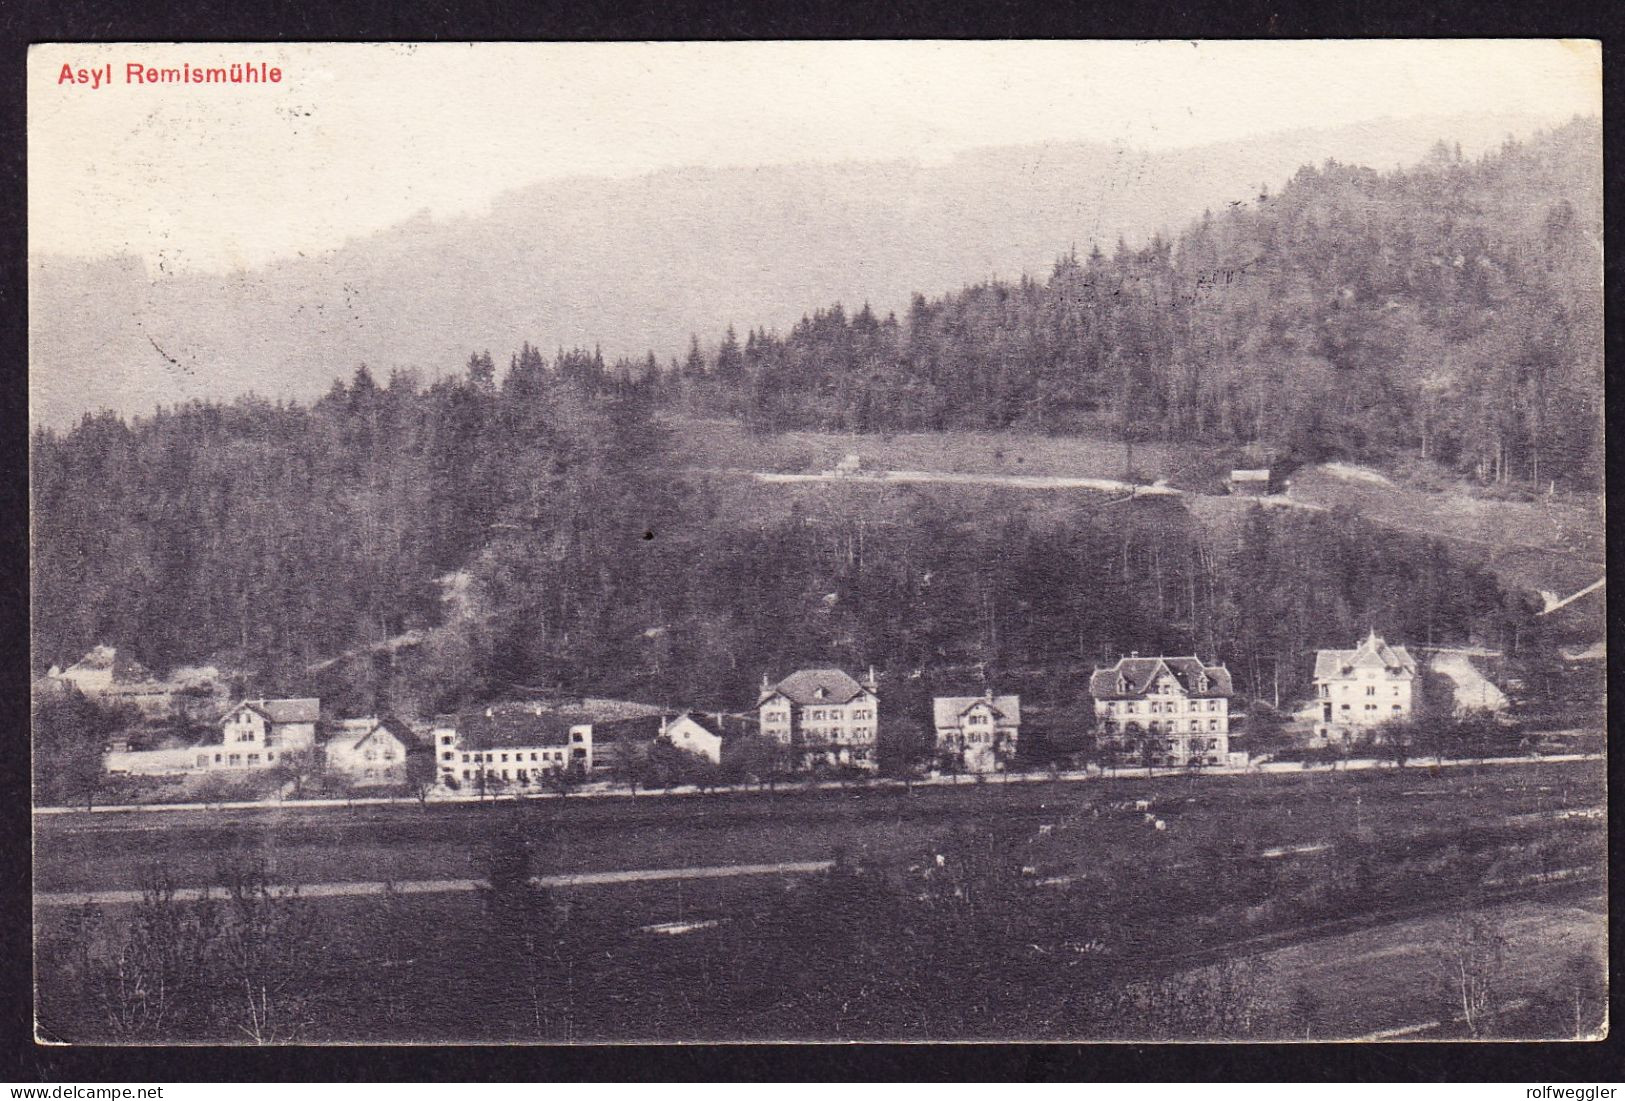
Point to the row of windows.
(522, 775)
(491, 758)
(857, 733)
(813, 714)
(851, 755)
(982, 737)
(1130, 707)
(232, 759)
(1172, 726)
(1370, 689)
(1165, 687)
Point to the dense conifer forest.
(415, 546)
(1452, 309)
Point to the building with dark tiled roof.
(1164, 710)
(825, 715)
(514, 744)
(619, 741)
(1358, 689)
(99, 670)
(979, 733)
(519, 744)
(113, 676)
(262, 734)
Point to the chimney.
(1134, 653)
(871, 683)
(988, 693)
(765, 683)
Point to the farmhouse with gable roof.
(261, 734)
(370, 751)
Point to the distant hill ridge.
(637, 265)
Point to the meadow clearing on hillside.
(1553, 543)
(728, 445)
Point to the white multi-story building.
(262, 734)
(1358, 689)
(978, 733)
(511, 745)
(824, 716)
(1164, 710)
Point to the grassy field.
(726, 445)
(1377, 978)
(1418, 831)
(585, 834)
(1545, 543)
(1358, 978)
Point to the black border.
(98, 20)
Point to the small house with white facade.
(694, 734)
(368, 752)
(1250, 483)
(977, 733)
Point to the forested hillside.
(478, 540)
(498, 534)
(1453, 309)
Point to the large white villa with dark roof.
(824, 715)
(1164, 710)
(1358, 689)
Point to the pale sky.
(360, 137)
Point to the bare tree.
(1471, 962)
(529, 927)
(264, 955)
(421, 776)
(148, 978)
(1585, 994)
